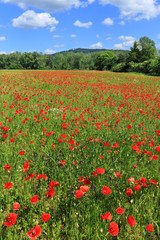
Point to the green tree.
(105, 61)
(142, 50)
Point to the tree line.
(142, 57)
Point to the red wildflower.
(62, 162)
(45, 217)
(42, 176)
(120, 210)
(113, 229)
(34, 199)
(150, 228)
(35, 232)
(137, 187)
(12, 218)
(84, 188)
(86, 181)
(52, 184)
(131, 179)
(79, 194)
(7, 167)
(131, 221)
(107, 216)
(153, 182)
(155, 157)
(106, 144)
(117, 174)
(157, 148)
(16, 206)
(129, 192)
(21, 152)
(143, 180)
(50, 193)
(8, 185)
(100, 170)
(106, 190)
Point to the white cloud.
(58, 45)
(158, 36)
(30, 19)
(80, 24)
(128, 41)
(137, 9)
(108, 38)
(2, 53)
(49, 51)
(47, 5)
(2, 38)
(122, 23)
(108, 22)
(57, 36)
(127, 38)
(73, 35)
(97, 45)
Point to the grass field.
(79, 155)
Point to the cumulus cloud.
(97, 45)
(137, 9)
(2, 38)
(47, 5)
(73, 35)
(108, 22)
(30, 19)
(2, 53)
(84, 25)
(128, 41)
(49, 51)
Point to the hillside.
(88, 50)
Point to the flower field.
(79, 155)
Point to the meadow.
(79, 155)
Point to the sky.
(50, 26)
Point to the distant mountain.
(88, 50)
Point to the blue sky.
(50, 26)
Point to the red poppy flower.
(35, 232)
(131, 179)
(42, 176)
(34, 199)
(52, 184)
(153, 182)
(21, 152)
(62, 162)
(106, 144)
(16, 206)
(45, 217)
(155, 157)
(150, 228)
(143, 180)
(131, 221)
(113, 229)
(120, 210)
(86, 181)
(157, 148)
(129, 192)
(137, 187)
(107, 216)
(7, 167)
(106, 190)
(84, 188)
(79, 194)
(8, 185)
(117, 174)
(50, 193)
(100, 170)
(12, 218)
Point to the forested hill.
(89, 50)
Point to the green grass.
(91, 108)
